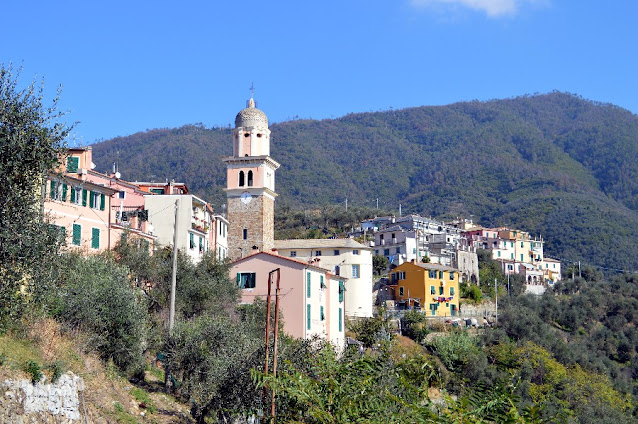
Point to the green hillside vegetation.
(553, 164)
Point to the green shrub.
(96, 297)
(33, 369)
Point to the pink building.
(311, 298)
(96, 210)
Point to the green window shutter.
(72, 164)
(238, 279)
(341, 290)
(91, 201)
(84, 196)
(308, 321)
(72, 194)
(77, 234)
(102, 201)
(321, 314)
(64, 190)
(52, 189)
(95, 239)
(321, 283)
(340, 320)
(308, 286)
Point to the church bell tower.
(250, 185)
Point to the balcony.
(201, 228)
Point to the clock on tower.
(250, 185)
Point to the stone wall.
(24, 402)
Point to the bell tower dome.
(250, 185)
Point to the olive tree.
(31, 144)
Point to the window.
(522, 244)
(432, 274)
(245, 233)
(337, 270)
(308, 285)
(157, 190)
(241, 178)
(322, 316)
(76, 195)
(321, 283)
(451, 291)
(512, 243)
(246, 280)
(376, 252)
(250, 178)
(95, 238)
(192, 241)
(122, 194)
(201, 244)
(96, 200)
(72, 164)
(386, 252)
(342, 289)
(355, 271)
(511, 256)
(414, 251)
(317, 252)
(451, 275)
(76, 238)
(441, 275)
(398, 250)
(401, 291)
(499, 253)
(308, 321)
(340, 320)
(293, 253)
(521, 257)
(432, 290)
(355, 252)
(440, 290)
(336, 252)
(400, 275)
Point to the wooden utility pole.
(171, 314)
(276, 324)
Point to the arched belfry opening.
(250, 178)
(241, 178)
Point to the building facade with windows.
(81, 210)
(311, 299)
(432, 288)
(193, 222)
(343, 257)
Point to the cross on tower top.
(252, 90)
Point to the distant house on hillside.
(431, 287)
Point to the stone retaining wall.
(22, 402)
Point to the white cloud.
(493, 8)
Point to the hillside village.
(326, 281)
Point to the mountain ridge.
(552, 164)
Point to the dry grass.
(108, 397)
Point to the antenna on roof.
(252, 95)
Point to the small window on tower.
(245, 233)
(259, 135)
(250, 178)
(247, 135)
(241, 178)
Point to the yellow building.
(431, 287)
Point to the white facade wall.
(358, 296)
(161, 213)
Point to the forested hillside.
(553, 164)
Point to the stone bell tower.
(250, 185)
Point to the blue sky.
(128, 66)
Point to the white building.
(194, 222)
(343, 257)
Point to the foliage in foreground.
(31, 142)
